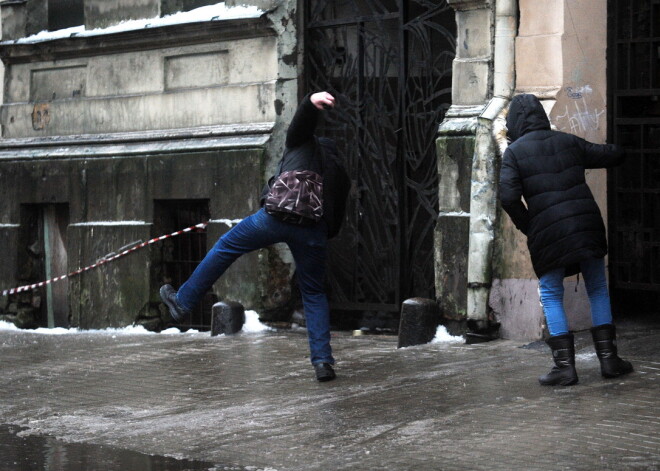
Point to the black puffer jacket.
(304, 151)
(561, 219)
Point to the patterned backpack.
(296, 196)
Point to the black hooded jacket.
(304, 151)
(547, 168)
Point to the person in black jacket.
(307, 242)
(564, 228)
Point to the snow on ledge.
(110, 223)
(252, 325)
(217, 12)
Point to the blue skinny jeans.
(551, 292)
(308, 247)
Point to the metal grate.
(389, 63)
(634, 84)
(176, 258)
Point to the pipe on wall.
(485, 171)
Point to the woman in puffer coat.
(564, 228)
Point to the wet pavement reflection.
(250, 402)
(20, 452)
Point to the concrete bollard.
(227, 317)
(419, 321)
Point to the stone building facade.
(596, 68)
(119, 132)
(112, 136)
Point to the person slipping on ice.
(564, 228)
(306, 238)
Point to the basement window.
(174, 259)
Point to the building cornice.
(230, 136)
(20, 52)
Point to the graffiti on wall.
(579, 116)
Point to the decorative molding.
(124, 144)
(542, 93)
(14, 52)
(200, 132)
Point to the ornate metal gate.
(389, 64)
(634, 94)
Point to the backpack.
(296, 196)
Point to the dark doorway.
(389, 64)
(42, 256)
(174, 259)
(634, 188)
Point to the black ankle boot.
(563, 354)
(611, 365)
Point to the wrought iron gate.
(634, 100)
(389, 64)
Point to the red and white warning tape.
(103, 260)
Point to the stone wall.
(108, 125)
(111, 203)
(472, 82)
(561, 57)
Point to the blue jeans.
(551, 292)
(308, 247)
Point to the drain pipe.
(485, 172)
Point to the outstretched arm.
(304, 121)
(602, 155)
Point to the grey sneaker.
(168, 295)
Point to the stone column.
(471, 90)
(560, 54)
(483, 84)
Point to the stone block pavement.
(250, 402)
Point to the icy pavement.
(250, 401)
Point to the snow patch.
(252, 323)
(128, 330)
(226, 222)
(442, 336)
(7, 326)
(110, 223)
(216, 12)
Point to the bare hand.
(322, 100)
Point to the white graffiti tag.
(583, 118)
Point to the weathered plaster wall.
(154, 92)
(111, 203)
(167, 88)
(561, 57)
(471, 77)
